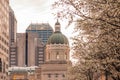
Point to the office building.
(12, 38)
(20, 49)
(4, 38)
(34, 50)
(28, 49)
(12, 25)
(25, 52)
(44, 30)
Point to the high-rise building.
(34, 50)
(4, 38)
(28, 49)
(44, 30)
(17, 51)
(12, 38)
(13, 26)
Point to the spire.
(57, 26)
(57, 23)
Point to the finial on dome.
(57, 26)
(57, 23)
(58, 16)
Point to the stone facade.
(22, 73)
(54, 71)
(57, 52)
(20, 46)
(56, 63)
(57, 57)
(4, 38)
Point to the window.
(63, 75)
(0, 37)
(13, 49)
(57, 55)
(48, 55)
(40, 52)
(13, 53)
(3, 67)
(40, 58)
(49, 75)
(40, 62)
(65, 55)
(0, 65)
(38, 76)
(56, 75)
(12, 63)
(40, 55)
(12, 56)
(40, 49)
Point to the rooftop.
(21, 69)
(39, 26)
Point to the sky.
(32, 11)
(37, 11)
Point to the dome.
(57, 38)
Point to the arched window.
(65, 55)
(63, 75)
(0, 65)
(48, 55)
(56, 75)
(49, 75)
(57, 55)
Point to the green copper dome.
(57, 38)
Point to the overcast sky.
(32, 11)
(35, 11)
